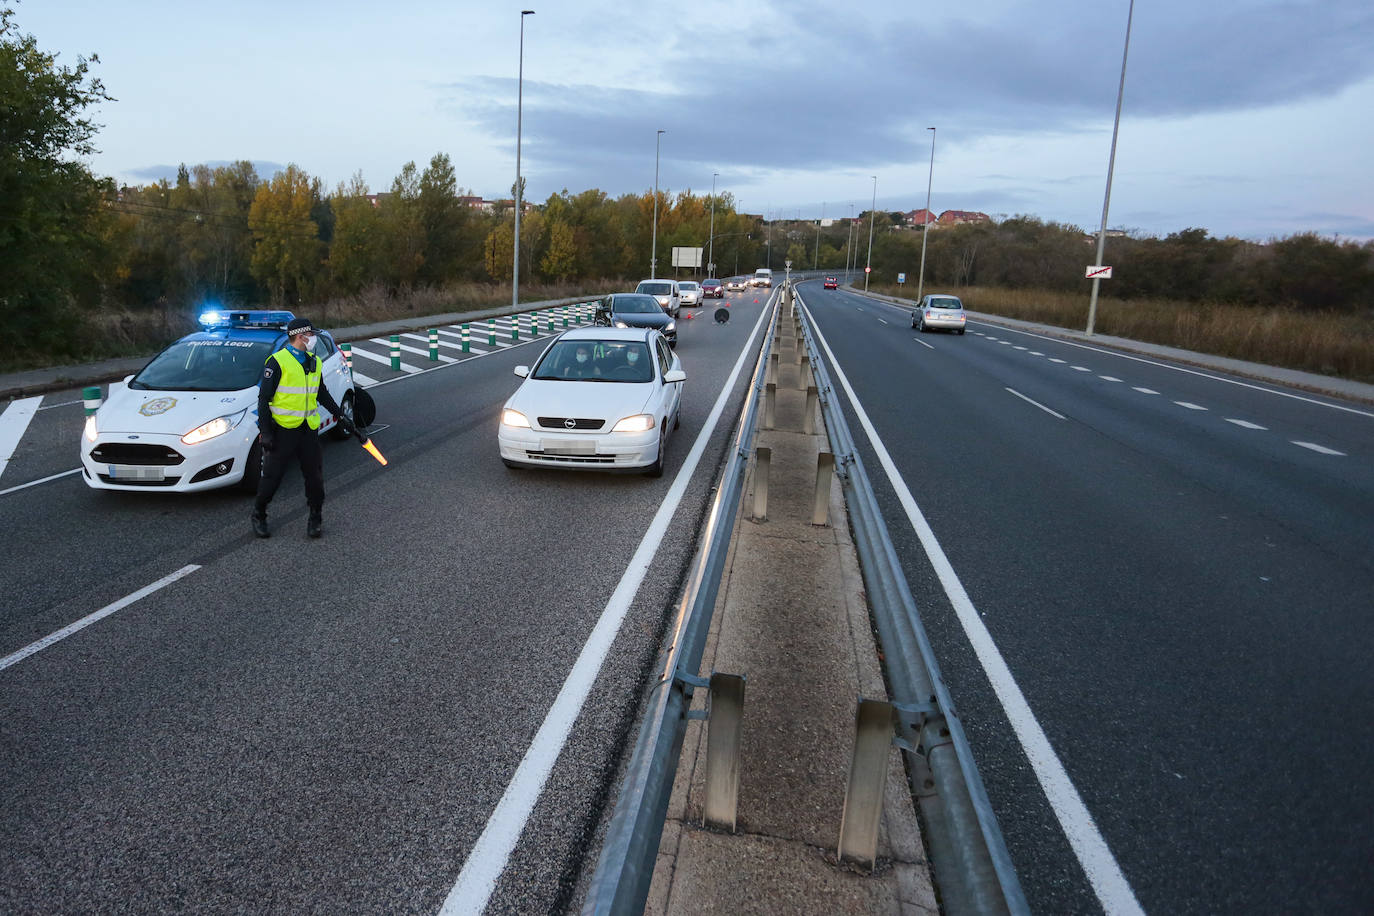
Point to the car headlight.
(514, 418)
(670, 326)
(621, 324)
(90, 428)
(216, 427)
(639, 423)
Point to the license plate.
(119, 472)
(568, 446)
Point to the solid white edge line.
(1104, 873)
(487, 860)
(34, 483)
(1037, 404)
(94, 617)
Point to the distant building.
(960, 217)
(477, 203)
(921, 217)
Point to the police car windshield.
(596, 361)
(205, 365)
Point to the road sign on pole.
(686, 257)
(868, 270)
(1098, 271)
(901, 278)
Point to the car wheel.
(913, 321)
(252, 469)
(922, 326)
(677, 420)
(339, 433)
(656, 469)
(961, 330)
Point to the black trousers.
(303, 445)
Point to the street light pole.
(925, 220)
(869, 269)
(816, 265)
(519, 119)
(711, 239)
(653, 258)
(1111, 164)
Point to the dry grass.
(1339, 345)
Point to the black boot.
(314, 526)
(260, 524)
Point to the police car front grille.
(133, 453)
(562, 423)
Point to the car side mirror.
(674, 375)
(128, 379)
(522, 371)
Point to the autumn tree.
(287, 250)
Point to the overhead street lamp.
(711, 243)
(519, 118)
(1111, 164)
(925, 221)
(653, 259)
(869, 269)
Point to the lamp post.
(925, 220)
(711, 240)
(869, 268)
(1111, 164)
(519, 119)
(653, 258)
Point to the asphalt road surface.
(1175, 568)
(327, 726)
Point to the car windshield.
(655, 289)
(636, 304)
(596, 361)
(205, 365)
(686, 284)
(946, 304)
(710, 283)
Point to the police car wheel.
(252, 469)
(339, 433)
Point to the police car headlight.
(514, 418)
(216, 427)
(639, 423)
(90, 428)
(621, 324)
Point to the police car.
(188, 421)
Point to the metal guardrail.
(973, 869)
(620, 884)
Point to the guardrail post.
(763, 456)
(396, 352)
(90, 398)
(863, 797)
(770, 403)
(812, 397)
(722, 750)
(467, 339)
(348, 355)
(807, 379)
(434, 345)
(825, 469)
(772, 376)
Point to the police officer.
(291, 385)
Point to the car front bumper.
(126, 465)
(578, 451)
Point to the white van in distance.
(762, 277)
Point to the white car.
(938, 311)
(188, 420)
(665, 291)
(762, 277)
(597, 399)
(736, 285)
(689, 292)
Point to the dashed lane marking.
(1061, 362)
(1245, 424)
(1109, 378)
(923, 343)
(1053, 413)
(1319, 449)
(1144, 390)
(1080, 369)
(1190, 405)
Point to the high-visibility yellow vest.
(296, 393)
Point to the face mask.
(581, 357)
(309, 342)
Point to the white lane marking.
(1036, 353)
(1144, 390)
(1109, 378)
(365, 381)
(62, 404)
(13, 422)
(1037, 404)
(1246, 424)
(884, 322)
(1113, 890)
(95, 617)
(1206, 375)
(1060, 361)
(404, 348)
(923, 343)
(990, 337)
(34, 483)
(443, 343)
(1321, 449)
(1190, 405)
(384, 360)
(1018, 348)
(1005, 343)
(489, 855)
(1081, 369)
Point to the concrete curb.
(1292, 378)
(62, 378)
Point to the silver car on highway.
(939, 312)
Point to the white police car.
(188, 420)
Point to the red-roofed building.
(921, 217)
(959, 217)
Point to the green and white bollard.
(514, 328)
(491, 332)
(434, 345)
(548, 316)
(90, 399)
(563, 313)
(467, 343)
(348, 356)
(396, 352)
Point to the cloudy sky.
(1244, 117)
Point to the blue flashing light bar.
(253, 318)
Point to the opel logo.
(570, 423)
